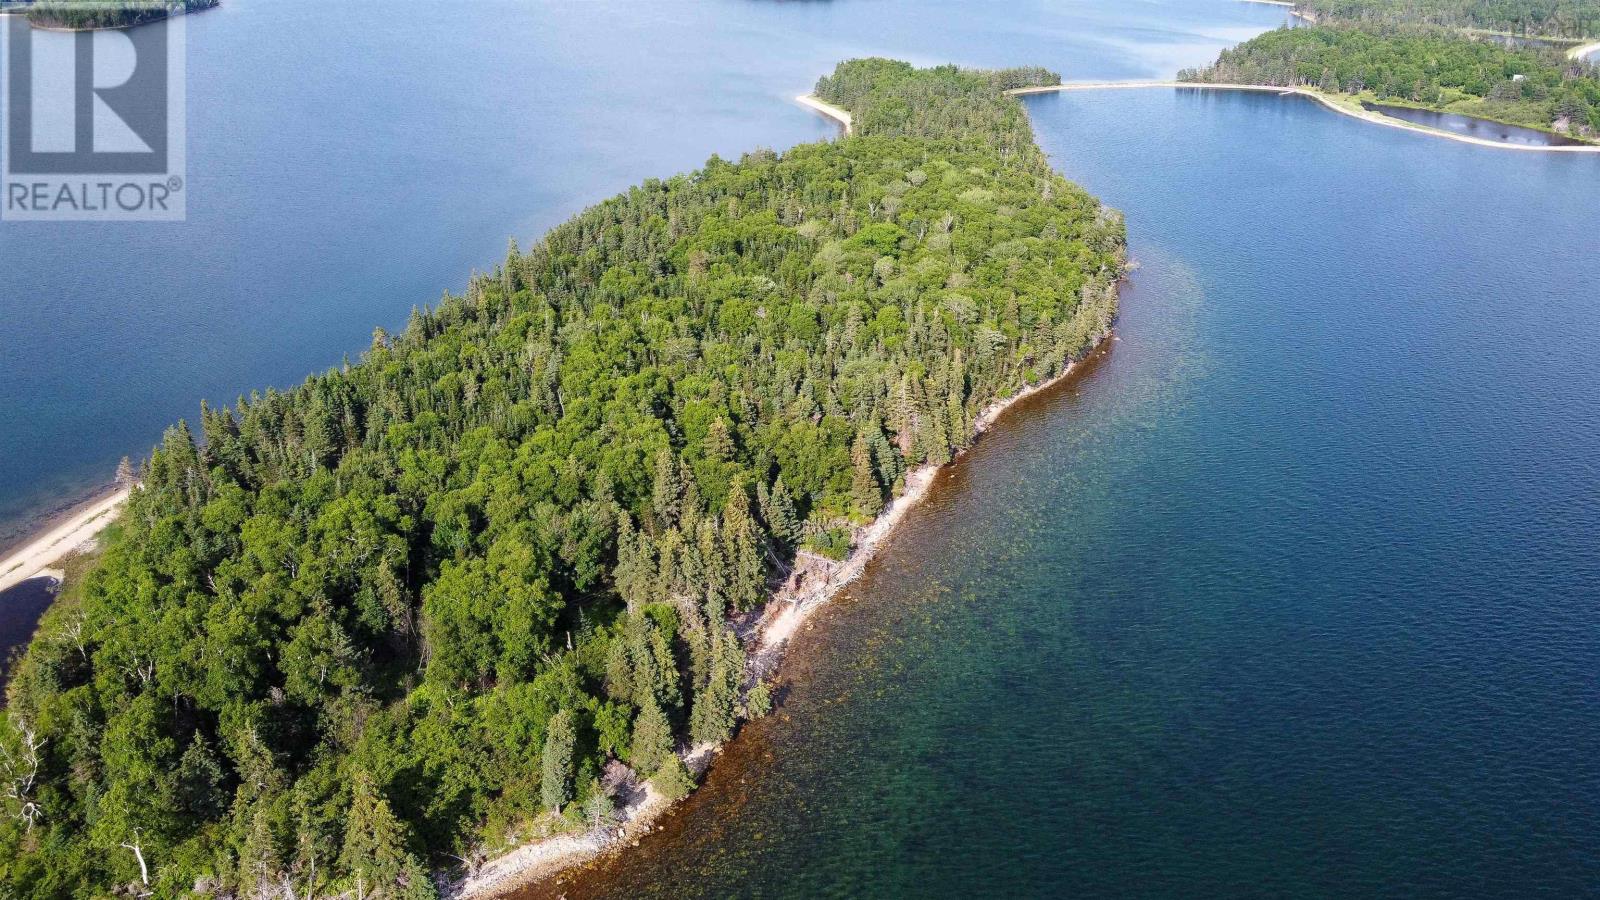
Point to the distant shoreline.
(1363, 115)
(86, 29)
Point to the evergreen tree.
(719, 441)
(635, 573)
(713, 714)
(199, 783)
(778, 511)
(673, 781)
(759, 701)
(599, 810)
(619, 671)
(667, 493)
(864, 488)
(260, 866)
(555, 773)
(374, 851)
(652, 739)
(744, 551)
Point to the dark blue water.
(351, 160)
(1293, 593)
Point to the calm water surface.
(1292, 594)
(1473, 126)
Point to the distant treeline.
(408, 611)
(1547, 18)
(84, 14)
(1431, 67)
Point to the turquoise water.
(1291, 594)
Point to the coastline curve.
(1371, 118)
(827, 109)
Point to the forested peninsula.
(1445, 55)
(90, 15)
(408, 614)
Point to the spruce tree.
(719, 441)
(555, 771)
(864, 487)
(743, 549)
(199, 784)
(374, 853)
(666, 494)
(674, 781)
(260, 866)
(779, 512)
(619, 671)
(652, 739)
(712, 719)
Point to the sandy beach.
(35, 558)
(827, 109)
(1363, 115)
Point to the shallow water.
(1472, 126)
(1292, 594)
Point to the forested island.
(1420, 54)
(84, 15)
(402, 616)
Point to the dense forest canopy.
(407, 610)
(1425, 66)
(1548, 18)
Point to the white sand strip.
(31, 560)
(827, 109)
(1363, 115)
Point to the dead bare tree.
(138, 854)
(22, 770)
